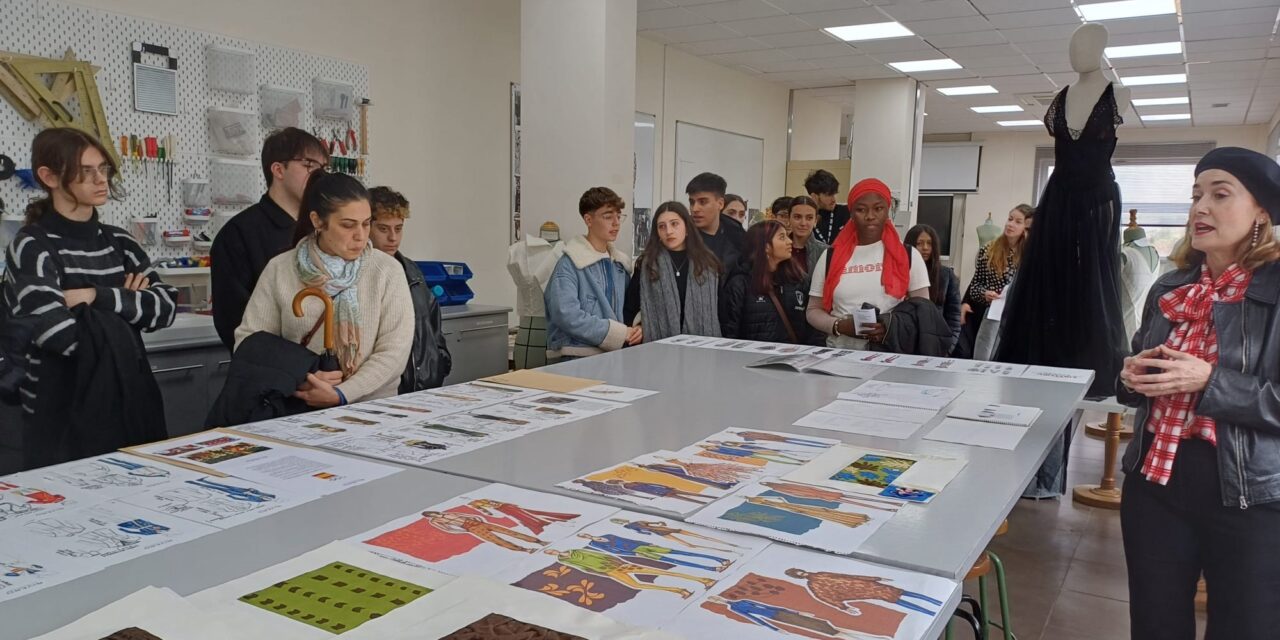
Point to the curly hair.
(386, 201)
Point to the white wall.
(439, 74)
(674, 85)
(1007, 175)
(815, 128)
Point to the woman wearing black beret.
(1202, 484)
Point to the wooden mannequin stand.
(1105, 495)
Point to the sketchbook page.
(858, 425)
(159, 612)
(795, 362)
(906, 476)
(474, 393)
(409, 445)
(218, 502)
(807, 515)
(91, 481)
(902, 394)
(634, 568)
(665, 480)
(543, 381)
(879, 411)
(482, 607)
(481, 531)
(995, 412)
(846, 367)
(978, 434)
(767, 452)
(1059, 374)
(322, 593)
(786, 592)
(1002, 369)
(303, 429)
(685, 340)
(614, 393)
(364, 415)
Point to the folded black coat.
(915, 326)
(265, 371)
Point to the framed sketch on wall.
(515, 162)
(642, 186)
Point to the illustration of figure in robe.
(137, 469)
(674, 534)
(532, 519)
(731, 451)
(781, 438)
(683, 473)
(609, 489)
(619, 546)
(847, 519)
(770, 616)
(608, 566)
(476, 526)
(809, 492)
(838, 590)
(240, 494)
(721, 471)
(660, 491)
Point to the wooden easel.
(42, 89)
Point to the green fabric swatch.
(337, 597)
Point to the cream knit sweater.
(386, 319)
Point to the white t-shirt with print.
(861, 283)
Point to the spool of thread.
(437, 290)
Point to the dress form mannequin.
(1139, 266)
(530, 262)
(1088, 43)
(987, 232)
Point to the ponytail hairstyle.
(325, 193)
(759, 237)
(704, 262)
(60, 149)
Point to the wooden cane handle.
(314, 292)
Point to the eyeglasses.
(89, 172)
(312, 165)
(613, 217)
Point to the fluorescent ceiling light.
(1167, 116)
(967, 91)
(1125, 9)
(915, 66)
(876, 31)
(1018, 123)
(1138, 50)
(1003, 108)
(1155, 102)
(1168, 78)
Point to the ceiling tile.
(806, 76)
(1036, 34)
(963, 54)
(690, 3)
(848, 62)
(950, 74)
(1198, 32)
(927, 28)
(691, 34)
(730, 45)
(751, 57)
(812, 6)
(820, 51)
(831, 92)
(1145, 37)
(1227, 44)
(870, 73)
(1007, 6)
(737, 10)
(1059, 46)
(767, 26)
(1226, 56)
(1220, 68)
(798, 39)
(1143, 24)
(934, 10)
(970, 39)
(1202, 6)
(785, 65)
(668, 19)
(893, 45)
(1043, 18)
(1128, 63)
(861, 15)
(993, 73)
(1265, 15)
(650, 5)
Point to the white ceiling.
(1231, 51)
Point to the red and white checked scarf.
(1189, 309)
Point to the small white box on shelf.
(333, 99)
(233, 131)
(230, 69)
(235, 181)
(280, 107)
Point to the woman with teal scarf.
(373, 313)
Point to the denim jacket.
(1243, 394)
(584, 300)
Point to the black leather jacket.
(429, 360)
(1243, 394)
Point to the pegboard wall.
(43, 28)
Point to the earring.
(1257, 228)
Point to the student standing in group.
(1202, 472)
(869, 269)
(995, 267)
(65, 269)
(764, 297)
(735, 207)
(781, 210)
(944, 286)
(429, 359)
(823, 188)
(674, 288)
(585, 295)
(722, 235)
(373, 312)
(247, 242)
(804, 217)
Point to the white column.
(888, 128)
(577, 84)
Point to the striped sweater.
(89, 254)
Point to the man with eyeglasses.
(254, 236)
(588, 285)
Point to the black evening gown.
(1063, 309)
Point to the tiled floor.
(1064, 562)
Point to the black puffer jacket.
(751, 317)
(429, 359)
(916, 327)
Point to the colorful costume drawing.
(748, 451)
(476, 526)
(241, 494)
(532, 519)
(810, 492)
(135, 469)
(851, 520)
(620, 546)
(142, 527)
(680, 472)
(732, 473)
(874, 470)
(838, 589)
(674, 534)
(606, 489)
(661, 491)
(31, 495)
(775, 437)
(614, 568)
(770, 616)
(868, 620)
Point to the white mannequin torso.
(1088, 45)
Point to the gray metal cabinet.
(190, 380)
(477, 339)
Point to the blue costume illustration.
(243, 494)
(142, 527)
(136, 469)
(618, 545)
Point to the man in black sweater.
(724, 235)
(824, 188)
(247, 242)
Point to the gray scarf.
(660, 301)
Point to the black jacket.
(951, 303)
(429, 360)
(753, 317)
(117, 402)
(830, 223)
(915, 327)
(1243, 394)
(728, 241)
(265, 372)
(242, 248)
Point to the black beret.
(1257, 172)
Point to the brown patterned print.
(496, 626)
(132, 633)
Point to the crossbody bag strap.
(786, 322)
